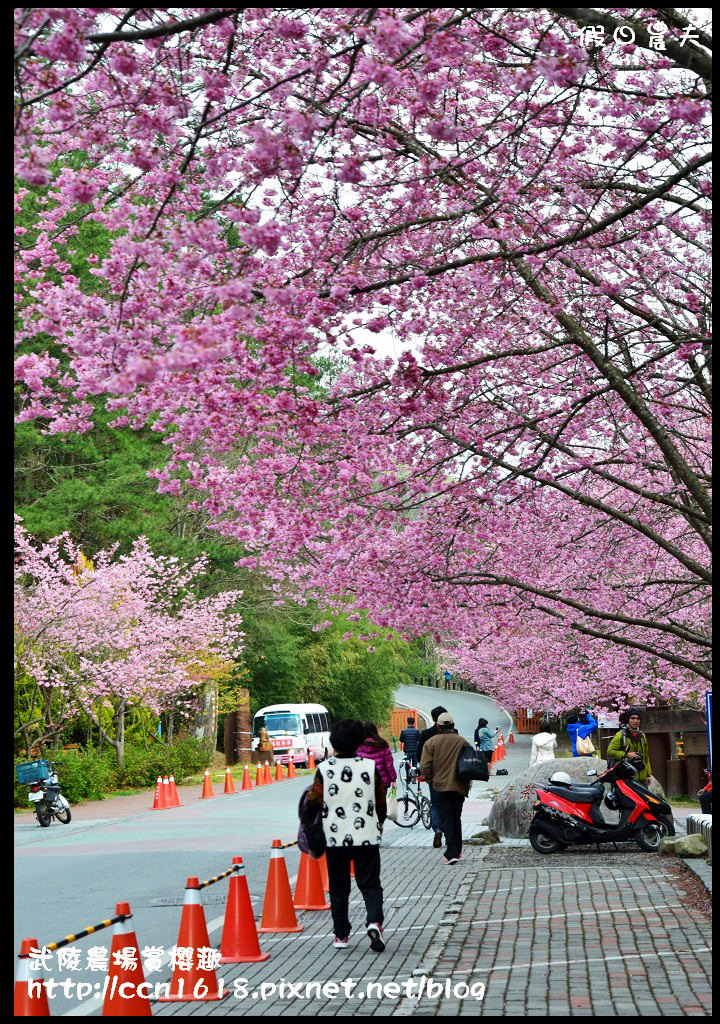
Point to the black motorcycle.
(570, 815)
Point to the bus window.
(325, 722)
(278, 722)
(315, 720)
(259, 723)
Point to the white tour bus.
(294, 731)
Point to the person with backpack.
(579, 728)
(409, 739)
(350, 795)
(438, 764)
(378, 750)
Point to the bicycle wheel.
(425, 811)
(408, 813)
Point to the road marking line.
(587, 960)
(580, 881)
(573, 913)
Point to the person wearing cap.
(425, 735)
(438, 764)
(631, 743)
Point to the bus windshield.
(278, 724)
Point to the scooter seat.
(579, 794)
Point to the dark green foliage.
(288, 661)
(186, 756)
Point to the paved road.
(466, 708)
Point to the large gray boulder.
(693, 845)
(512, 811)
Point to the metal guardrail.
(701, 824)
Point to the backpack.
(311, 834)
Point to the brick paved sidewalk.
(579, 934)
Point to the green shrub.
(141, 767)
(84, 775)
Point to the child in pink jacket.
(376, 748)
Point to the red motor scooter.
(569, 815)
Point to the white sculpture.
(543, 747)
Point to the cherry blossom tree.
(516, 198)
(117, 633)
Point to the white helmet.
(561, 777)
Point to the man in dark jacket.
(409, 738)
(425, 735)
(432, 731)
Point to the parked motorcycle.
(44, 791)
(568, 814)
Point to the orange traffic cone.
(193, 935)
(30, 995)
(279, 772)
(511, 737)
(292, 774)
(324, 873)
(207, 787)
(246, 782)
(167, 793)
(309, 894)
(501, 745)
(159, 802)
(174, 793)
(239, 943)
(311, 761)
(229, 784)
(278, 911)
(130, 1003)
(259, 775)
(268, 776)
(352, 869)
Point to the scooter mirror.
(591, 771)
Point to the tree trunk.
(243, 728)
(119, 743)
(206, 720)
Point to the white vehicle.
(295, 730)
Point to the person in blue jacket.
(580, 727)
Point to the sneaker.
(453, 860)
(340, 943)
(375, 934)
(437, 840)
